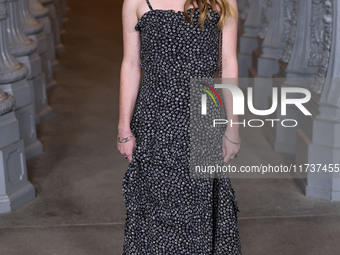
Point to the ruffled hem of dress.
(189, 215)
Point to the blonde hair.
(226, 10)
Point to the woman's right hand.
(126, 149)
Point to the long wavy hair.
(226, 10)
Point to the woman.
(168, 211)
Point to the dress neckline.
(169, 10)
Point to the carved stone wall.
(27, 54)
(319, 137)
(34, 30)
(55, 22)
(305, 46)
(15, 114)
(25, 51)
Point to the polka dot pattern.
(168, 211)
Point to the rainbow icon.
(210, 94)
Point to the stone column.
(249, 40)
(25, 51)
(299, 63)
(54, 22)
(243, 8)
(59, 12)
(15, 189)
(291, 20)
(64, 19)
(265, 58)
(318, 140)
(34, 30)
(41, 14)
(296, 64)
(266, 16)
(65, 9)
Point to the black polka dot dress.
(167, 211)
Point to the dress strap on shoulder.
(147, 1)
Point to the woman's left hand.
(230, 149)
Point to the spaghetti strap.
(147, 1)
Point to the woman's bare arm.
(129, 74)
(230, 71)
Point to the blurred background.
(60, 171)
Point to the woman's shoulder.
(134, 9)
(133, 6)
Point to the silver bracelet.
(231, 140)
(124, 139)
